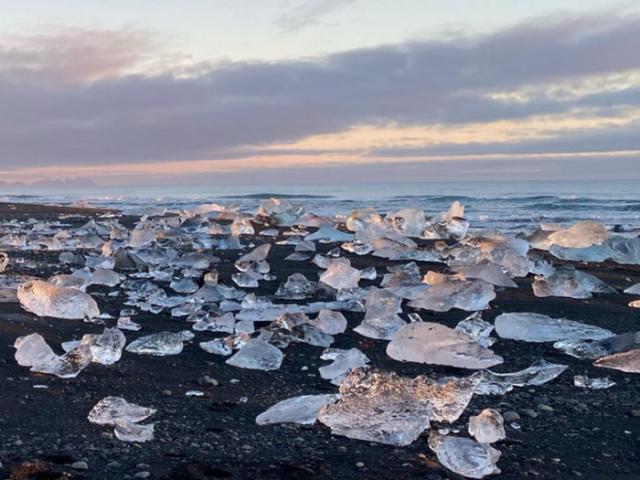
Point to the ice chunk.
(280, 210)
(444, 293)
(327, 233)
(142, 237)
(184, 285)
(124, 416)
(487, 271)
(487, 426)
(297, 287)
(593, 349)
(343, 362)
(105, 348)
(568, 282)
(69, 281)
(426, 342)
(330, 322)
(33, 351)
(635, 304)
(582, 234)
(625, 362)
(340, 275)
(477, 329)
(103, 276)
(633, 289)
(224, 323)
(538, 373)
(382, 407)
(157, 344)
(464, 456)
(47, 300)
(303, 410)
(257, 355)
(409, 221)
(535, 327)
(601, 383)
(125, 323)
(381, 319)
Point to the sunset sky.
(192, 91)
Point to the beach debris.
(599, 383)
(487, 426)
(540, 372)
(433, 343)
(383, 407)
(302, 410)
(257, 355)
(125, 417)
(535, 327)
(157, 344)
(465, 456)
(46, 300)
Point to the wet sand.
(565, 432)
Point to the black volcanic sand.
(565, 432)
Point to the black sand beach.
(565, 432)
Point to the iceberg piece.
(444, 293)
(487, 426)
(184, 285)
(535, 327)
(158, 344)
(33, 351)
(124, 416)
(225, 323)
(297, 287)
(628, 362)
(633, 289)
(343, 362)
(568, 282)
(245, 280)
(409, 221)
(257, 355)
(464, 456)
(385, 408)
(125, 323)
(593, 349)
(340, 275)
(69, 281)
(538, 373)
(105, 348)
(47, 300)
(635, 304)
(487, 271)
(103, 276)
(330, 322)
(281, 211)
(477, 329)
(581, 235)
(326, 233)
(142, 237)
(381, 319)
(582, 381)
(426, 342)
(250, 260)
(302, 410)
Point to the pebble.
(359, 464)
(81, 465)
(545, 408)
(635, 413)
(168, 393)
(529, 413)
(207, 381)
(142, 474)
(510, 416)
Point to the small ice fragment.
(381, 319)
(625, 362)
(302, 410)
(224, 323)
(194, 393)
(538, 373)
(157, 344)
(340, 275)
(487, 426)
(257, 355)
(465, 456)
(594, 349)
(125, 323)
(330, 322)
(47, 300)
(110, 409)
(426, 342)
(535, 327)
(343, 362)
(600, 383)
(132, 432)
(477, 329)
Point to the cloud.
(80, 105)
(309, 12)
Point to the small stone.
(168, 393)
(142, 474)
(359, 464)
(511, 416)
(529, 413)
(143, 466)
(635, 413)
(207, 381)
(545, 408)
(81, 465)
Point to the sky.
(195, 92)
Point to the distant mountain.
(52, 184)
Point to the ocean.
(509, 206)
